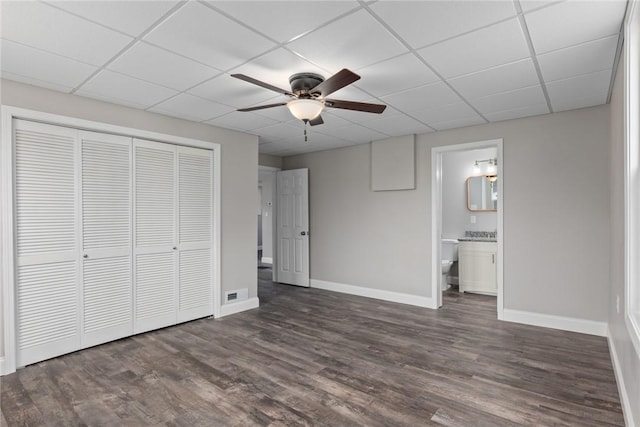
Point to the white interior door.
(47, 241)
(195, 234)
(155, 246)
(293, 227)
(106, 237)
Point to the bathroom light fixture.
(305, 109)
(491, 167)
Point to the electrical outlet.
(618, 304)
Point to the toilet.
(449, 254)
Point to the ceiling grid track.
(163, 18)
(532, 52)
(421, 59)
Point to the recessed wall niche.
(393, 164)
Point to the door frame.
(436, 216)
(274, 213)
(7, 229)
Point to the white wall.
(628, 362)
(239, 174)
(556, 215)
(457, 166)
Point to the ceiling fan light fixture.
(305, 109)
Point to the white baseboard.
(571, 324)
(237, 307)
(266, 260)
(373, 293)
(622, 389)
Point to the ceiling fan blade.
(261, 84)
(317, 121)
(339, 80)
(356, 106)
(261, 107)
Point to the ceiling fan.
(309, 92)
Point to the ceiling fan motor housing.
(302, 83)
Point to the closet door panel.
(155, 249)
(195, 198)
(106, 237)
(47, 271)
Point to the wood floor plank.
(312, 357)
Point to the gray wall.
(269, 160)
(457, 166)
(556, 215)
(239, 173)
(629, 361)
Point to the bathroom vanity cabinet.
(477, 267)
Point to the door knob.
(303, 233)
(85, 256)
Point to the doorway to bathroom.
(467, 198)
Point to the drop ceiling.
(437, 64)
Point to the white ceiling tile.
(578, 92)
(205, 35)
(126, 90)
(489, 47)
(191, 108)
(497, 80)
(458, 110)
(510, 100)
(35, 82)
(237, 93)
(293, 131)
(334, 47)
(44, 27)
(286, 19)
(161, 67)
(530, 5)
(397, 125)
(355, 133)
(131, 17)
(395, 75)
(574, 22)
(421, 23)
(457, 123)
(581, 59)
(276, 67)
(39, 66)
(516, 113)
(241, 121)
(423, 97)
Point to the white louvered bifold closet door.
(195, 202)
(106, 237)
(155, 240)
(47, 241)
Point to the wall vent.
(236, 295)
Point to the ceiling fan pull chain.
(305, 130)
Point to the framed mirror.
(482, 193)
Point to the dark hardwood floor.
(312, 357)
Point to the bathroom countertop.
(479, 236)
